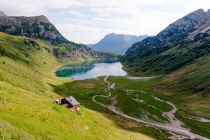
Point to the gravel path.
(174, 128)
(139, 78)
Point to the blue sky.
(87, 21)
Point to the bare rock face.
(208, 14)
(34, 27)
(186, 24)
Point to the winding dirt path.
(178, 132)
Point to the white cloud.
(76, 13)
(33, 7)
(83, 34)
(87, 21)
(195, 4)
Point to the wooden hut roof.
(72, 100)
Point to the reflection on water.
(89, 70)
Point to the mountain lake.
(91, 69)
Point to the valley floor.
(170, 114)
(173, 125)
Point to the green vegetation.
(193, 78)
(138, 109)
(189, 105)
(27, 89)
(167, 60)
(84, 91)
(181, 57)
(28, 86)
(181, 52)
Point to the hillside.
(180, 44)
(27, 88)
(193, 77)
(117, 43)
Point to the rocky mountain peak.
(197, 16)
(34, 27)
(2, 14)
(117, 43)
(185, 24)
(208, 14)
(197, 12)
(41, 18)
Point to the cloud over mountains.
(92, 19)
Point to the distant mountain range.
(39, 27)
(117, 43)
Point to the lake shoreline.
(91, 69)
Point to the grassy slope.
(194, 77)
(27, 86)
(167, 57)
(187, 67)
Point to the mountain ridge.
(117, 43)
(174, 34)
(184, 24)
(34, 27)
(180, 45)
(39, 27)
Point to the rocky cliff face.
(186, 24)
(33, 27)
(179, 44)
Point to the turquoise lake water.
(88, 70)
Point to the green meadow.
(187, 103)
